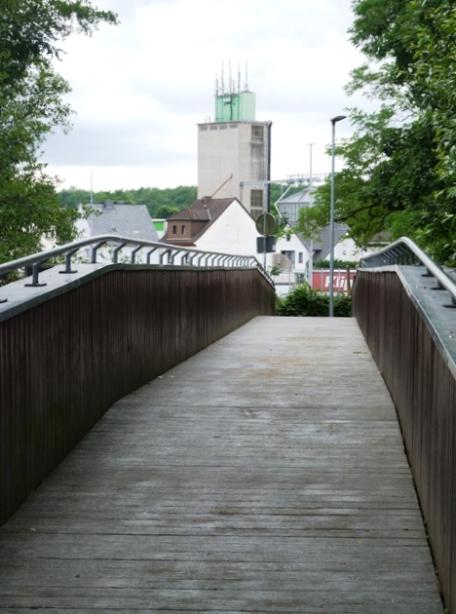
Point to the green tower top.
(235, 106)
(233, 103)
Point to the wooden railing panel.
(423, 388)
(64, 362)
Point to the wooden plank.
(265, 474)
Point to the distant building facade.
(131, 221)
(234, 152)
(214, 224)
(290, 263)
(290, 206)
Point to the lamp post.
(332, 231)
(310, 279)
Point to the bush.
(303, 301)
(342, 306)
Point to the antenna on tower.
(246, 77)
(231, 79)
(216, 85)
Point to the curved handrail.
(405, 251)
(71, 249)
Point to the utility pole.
(91, 187)
(332, 224)
(310, 279)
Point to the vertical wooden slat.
(64, 362)
(423, 389)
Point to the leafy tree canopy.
(400, 166)
(160, 202)
(31, 106)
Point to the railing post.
(68, 268)
(163, 254)
(149, 254)
(35, 276)
(115, 253)
(95, 249)
(133, 254)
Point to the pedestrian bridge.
(167, 444)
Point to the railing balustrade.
(168, 253)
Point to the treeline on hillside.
(160, 202)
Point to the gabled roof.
(322, 243)
(203, 210)
(128, 220)
(298, 198)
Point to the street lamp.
(332, 231)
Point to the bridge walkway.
(265, 474)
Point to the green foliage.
(400, 165)
(303, 301)
(275, 270)
(160, 202)
(31, 105)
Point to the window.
(174, 229)
(290, 254)
(183, 229)
(258, 134)
(301, 257)
(256, 201)
(203, 128)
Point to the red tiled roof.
(203, 210)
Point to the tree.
(400, 165)
(30, 106)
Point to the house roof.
(298, 198)
(322, 243)
(128, 220)
(205, 211)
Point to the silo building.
(234, 151)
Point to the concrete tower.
(234, 151)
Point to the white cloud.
(140, 88)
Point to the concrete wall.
(226, 149)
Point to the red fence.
(342, 281)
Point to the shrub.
(303, 301)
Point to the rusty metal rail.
(167, 254)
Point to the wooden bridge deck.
(265, 474)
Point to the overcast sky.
(140, 88)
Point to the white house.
(214, 224)
(290, 262)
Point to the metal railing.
(167, 255)
(405, 252)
